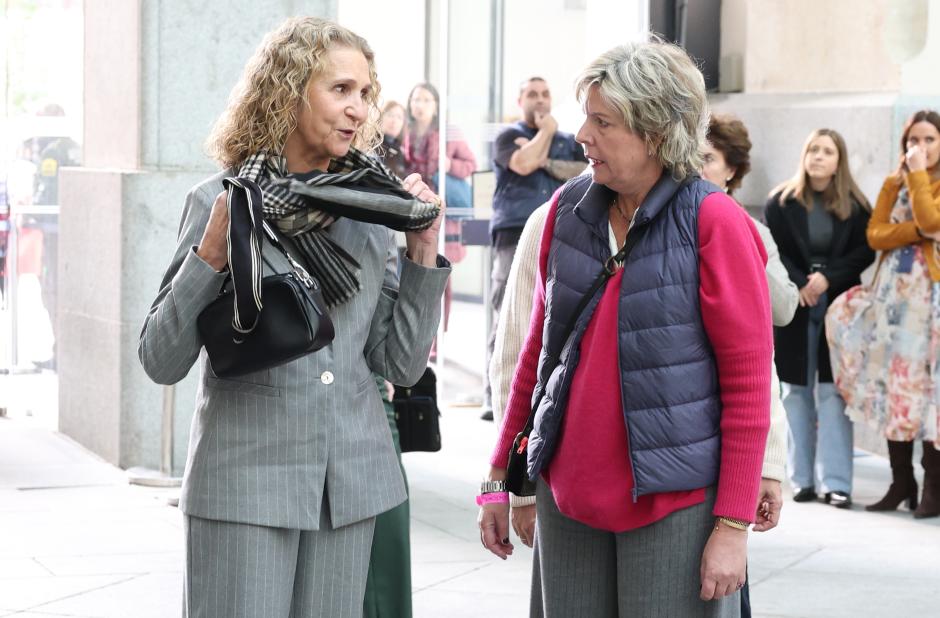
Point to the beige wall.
(918, 47)
(803, 46)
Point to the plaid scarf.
(355, 186)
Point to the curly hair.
(660, 94)
(728, 135)
(263, 107)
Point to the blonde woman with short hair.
(289, 466)
(648, 441)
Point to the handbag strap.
(599, 281)
(246, 231)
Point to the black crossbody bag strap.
(602, 277)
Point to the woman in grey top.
(289, 466)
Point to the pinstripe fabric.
(264, 447)
(536, 604)
(236, 570)
(651, 572)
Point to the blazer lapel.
(350, 235)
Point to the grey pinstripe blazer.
(265, 447)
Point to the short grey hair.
(660, 93)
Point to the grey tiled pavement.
(77, 540)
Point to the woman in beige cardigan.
(729, 145)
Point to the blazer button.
(326, 377)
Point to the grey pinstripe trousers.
(650, 572)
(236, 570)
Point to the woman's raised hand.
(916, 159)
(213, 248)
(422, 246)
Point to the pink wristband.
(499, 497)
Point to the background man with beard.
(531, 158)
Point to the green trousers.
(388, 587)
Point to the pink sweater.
(590, 474)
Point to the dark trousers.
(388, 585)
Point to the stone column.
(157, 75)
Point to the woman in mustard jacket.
(900, 389)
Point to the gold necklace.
(616, 204)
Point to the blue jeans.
(820, 433)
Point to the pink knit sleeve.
(735, 306)
(519, 404)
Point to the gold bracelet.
(737, 524)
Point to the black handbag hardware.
(517, 474)
(292, 320)
(417, 415)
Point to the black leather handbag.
(417, 415)
(287, 316)
(517, 470)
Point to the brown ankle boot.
(930, 502)
(903, 486)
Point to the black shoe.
(805, 494)
(839, 499)
(487, 415)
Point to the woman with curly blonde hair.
(289, 466)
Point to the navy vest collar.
(593, 207)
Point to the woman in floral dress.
(887, 337)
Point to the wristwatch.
(493, 487)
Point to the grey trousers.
(500, 263)
(238, 570)
(648, 572)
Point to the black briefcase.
(417, 415)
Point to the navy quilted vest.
(669, 380)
